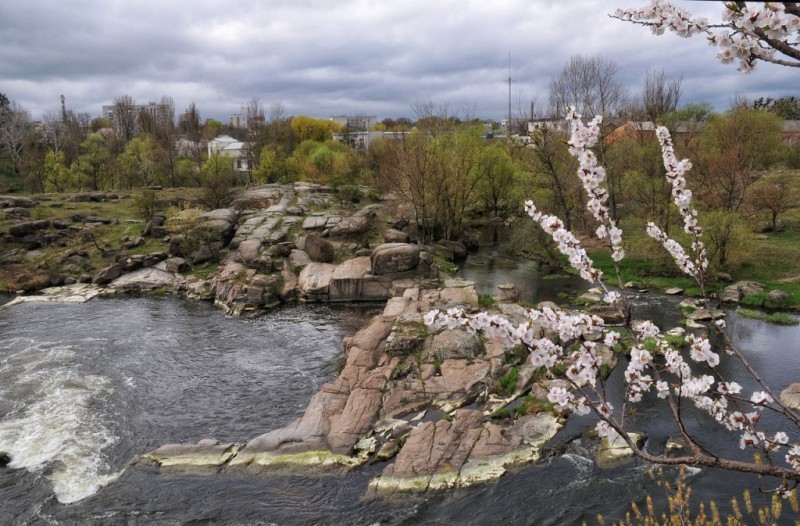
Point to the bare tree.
(660, 95)
(54, 132)
(276, 112)
(589, 85)
(15, 130)
(254, 134)
(124, 117)
(166, 134)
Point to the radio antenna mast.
(509, 80)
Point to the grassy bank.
(27, 268)
(772, 259)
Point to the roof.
(791, 126)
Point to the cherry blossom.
(745, 34)
(655, 366)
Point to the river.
(86, 388)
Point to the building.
(230, 147)
(791, 133)
(159, 112)
(361, 140)
(353, 123)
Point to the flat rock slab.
(145, 279)
(77, 293)
(206, 453)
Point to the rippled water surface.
(84, 389)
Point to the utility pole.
(509, 80)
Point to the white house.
(230, 147)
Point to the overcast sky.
(324, 58)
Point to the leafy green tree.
(94, 162)
(139, 163)
(774, 194)
(785, 107)
(59, 176)
(736, 146)
(311, 129)
(211, 129)
(326, 162)
(727, 238)
(219, 179)
(550, 176)
(438, 175)
(272, 165)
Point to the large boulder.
(394, 257)
(790, 397)
(350, 226)
(12, 201)
(108, 274)
(251, 255)
(315, 279)
(155, 227)
(347, 282)
(741, 289)
(457, 344)
(776, 299)
(318, 249)
(29, 227)
(298, 259)
(392, 235)
(217, 225)
(455, 249)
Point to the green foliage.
(785, 107)
(756, 300)
(508, 382)
(438, 175)
(95, 162)
(145, 204)
(327, 162)
(311, 129)
(485, 301)
(349, 194)
(727, 239)
(183, 221)
(271, 166)
(219, 179)
(59, 176)
(497, 173)
(530, 241)
(140, 163)
(502, 412)
(530, 405)
(675, 340)
(791, 156)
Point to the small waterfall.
(53, 427)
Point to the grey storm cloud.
(354, 56)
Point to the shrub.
(145, 204)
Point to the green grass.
(754, 299)
(531, 405)
(642, 273)
(485, 301)
(96, 242)
(675, 341)
(778, 318)
(508, 382)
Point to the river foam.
(53, 427)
